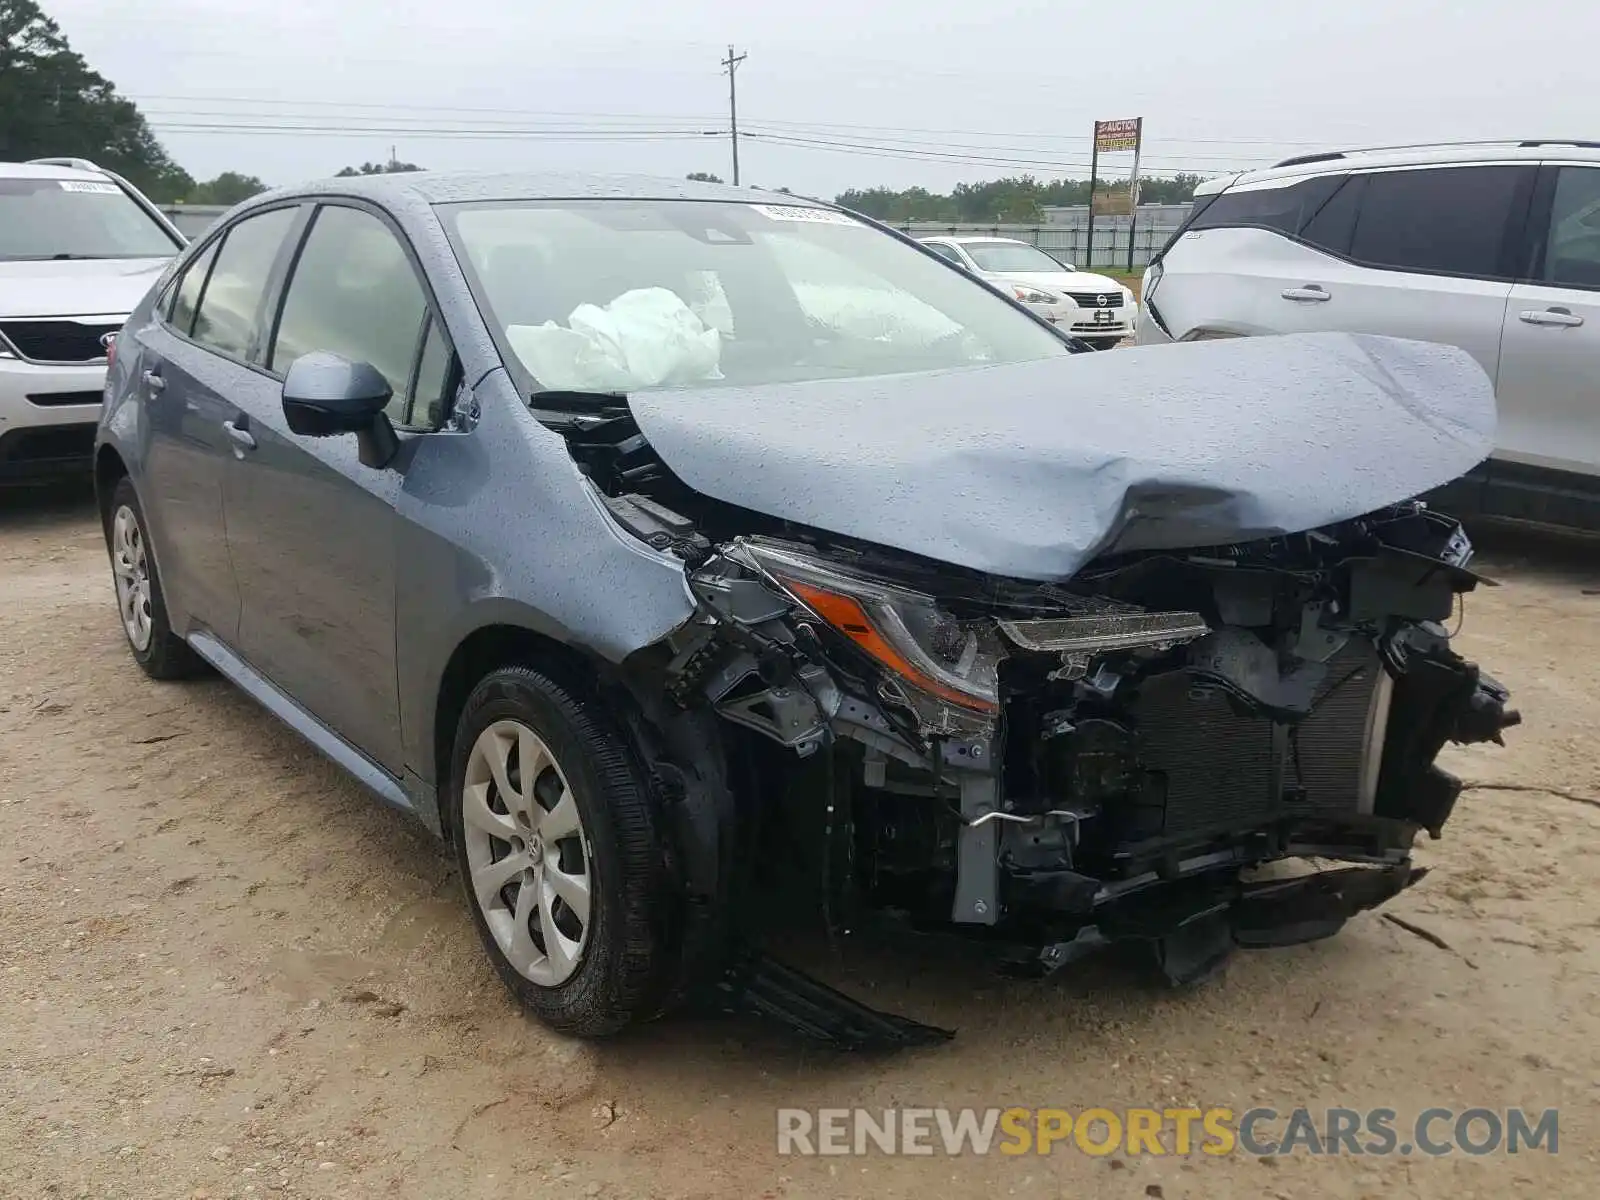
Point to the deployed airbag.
(1031, 469)
(647, 337)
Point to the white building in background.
(1076, 216)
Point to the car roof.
(16, 170)
(455, 187)
(1435, 154)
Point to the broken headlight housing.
(931, 659)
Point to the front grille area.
(1206, 765)
(47, 445)
(57, 341)
(1092, 299)
(64, 399)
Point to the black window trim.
(452, 375)
(169, 299)
(431, 310)
(218, 237)
(1535, 244)
(1512, 234)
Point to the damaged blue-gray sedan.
(687, 555)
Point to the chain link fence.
(1066, 243)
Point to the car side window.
(225, 316)
(1441, 220)
(430, 392)
(945, 252)
(1572, 251)
(354, 293)
(1285, 209)
(1332, 226)
(185, 297)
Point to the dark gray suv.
(675, 548)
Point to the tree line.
(54, 105)
(1020, 198)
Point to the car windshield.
(1011, 256)
(631, 294)
(43, 219)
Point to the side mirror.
(325, 395)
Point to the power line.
(1056, 166)
(986, 149)
(799, 126)
(943, 150)
(513, 135)
(364, 123)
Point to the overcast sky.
(834, 93)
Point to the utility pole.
(731, 63)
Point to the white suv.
(79, 247)
(1493, 247)
(1092, 307)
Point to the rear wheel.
(140, 603)
(559, 854)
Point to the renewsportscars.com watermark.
(1434, 1132)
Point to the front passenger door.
(311, 530)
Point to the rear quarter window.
(1284, 209)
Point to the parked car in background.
(79, 247)
(613, 527)
(1493, 247)
(1099, 310)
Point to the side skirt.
(250, 681)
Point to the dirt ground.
(225, 972)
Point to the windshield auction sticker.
(797, 212)
(87, 185)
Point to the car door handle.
(1311, 291)
(154, 382)
(241, 438)
(1550, 316)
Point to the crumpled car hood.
(1032, 469)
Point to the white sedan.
(1097, 309)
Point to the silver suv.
(79, 247)
(1493, 247)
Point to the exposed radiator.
(1206, 765)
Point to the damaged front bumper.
(1064, 767)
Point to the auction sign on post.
(1116, 137)
(1112, 136)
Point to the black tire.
(628, 957)
(166, 656)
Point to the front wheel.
(560, 854)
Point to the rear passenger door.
(1421, 252)
(1549, 393)
(311, 530)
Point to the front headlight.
(1032, 295)
(919, 645)
(1127, 297)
